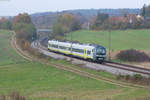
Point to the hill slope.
(47, 19)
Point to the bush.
(16, 96)
(133, 56)
(137, 77)
(127, 77)
(27, 45)
(3, 97)
(36, 53)
(13, 96)
(144, 98)
(119, 77)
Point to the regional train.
(92, 52)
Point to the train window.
(73, 49)
(88, 52)
(62, 47)
(78, 50)
(54, 46)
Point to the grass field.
(7, 54)
(41, 82)
(120, 40)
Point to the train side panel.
(77, 50)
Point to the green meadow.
(120, 39)
(37, 81)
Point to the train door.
(85, 53)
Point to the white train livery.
(85, 51)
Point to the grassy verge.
(80, 67)
(7, 54)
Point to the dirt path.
(25, 55)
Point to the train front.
(100, 54)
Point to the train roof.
(67, 43)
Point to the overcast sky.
(13, 7)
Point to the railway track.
(129, 68)
(136, 70)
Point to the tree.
(101, 17)
(24, 27)
(59, 29)
(124, 13)
(65, 24)
(22, 18)
(100, 22)
(5, 24)
(148, 11)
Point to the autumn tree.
(131, 21)
(5, 24)
(100, 22)
(24, 27)
(65, 24)
(22, 18)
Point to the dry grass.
(13, 96)
(79, 95)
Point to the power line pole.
(109, 43)
(37, 37)
(71, 45)
(88, 25)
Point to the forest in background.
(48, 19)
